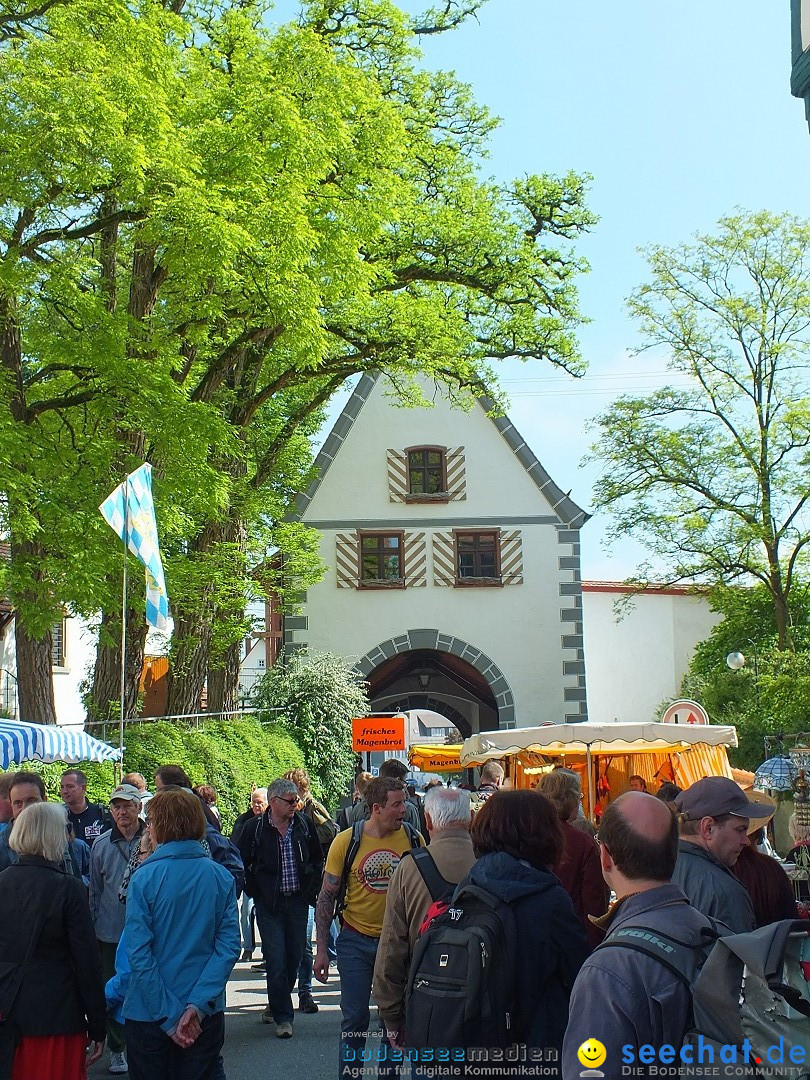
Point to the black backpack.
(461, 984)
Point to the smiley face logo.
(592, 1054)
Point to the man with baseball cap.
(109, 859)
(713, 818)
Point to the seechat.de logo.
(591, 1054)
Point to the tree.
(713, 478)
(210, 227)
(314, 696)
(771, 692)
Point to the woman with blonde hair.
(579, 869)
(58, 1005)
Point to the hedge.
(229, 755)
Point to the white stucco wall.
(519, 627)
(80, 652)
(80, 655)
(636, 659)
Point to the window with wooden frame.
(427, 472)
(58, 635)
(478, 560)
(381, 560)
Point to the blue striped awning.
(36, 742)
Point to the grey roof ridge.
(568, 512)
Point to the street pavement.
(251, 1047)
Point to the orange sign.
(378, 733)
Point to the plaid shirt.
(289, 871)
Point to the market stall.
(607, 755)
(436, 758)
(37, 742)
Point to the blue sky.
(682, 112)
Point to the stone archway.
(412, 647)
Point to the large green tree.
(712, 475)
(206, 228)
(770, 692)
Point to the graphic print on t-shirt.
(375, 869)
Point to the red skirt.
(57, 1057)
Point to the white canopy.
(556, 739)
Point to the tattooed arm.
(324, 914)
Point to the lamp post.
(736, 661)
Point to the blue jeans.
(245, 927)
(356, 954)
(151, 1054)
(282, 932)
(307, 959)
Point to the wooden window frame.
(495, 582)
(60, 663)
(380, 583)
(442, 496)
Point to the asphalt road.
(251, 1047)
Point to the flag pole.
(124, 620)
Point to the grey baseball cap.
(714, 796)
(126, 792)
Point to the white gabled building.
(454, 572)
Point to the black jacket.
(259, 846)
(239, 824)
(62, 992)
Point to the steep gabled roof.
(564, 507)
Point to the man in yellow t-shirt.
(384, 840)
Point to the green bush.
(315, 696)
(229, 755)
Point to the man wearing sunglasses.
(283, 867)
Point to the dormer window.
(427, 471)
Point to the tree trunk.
(223, 682)
(34, 676)
(106, 696)
(186, 680)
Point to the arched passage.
(431, 669)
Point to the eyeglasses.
(289, 802)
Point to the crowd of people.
(140, 896)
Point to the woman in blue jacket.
(182, 941)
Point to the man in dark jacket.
(284, 863)
(714, 816)
(89, 820)
(623, 997)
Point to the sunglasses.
(289, 802)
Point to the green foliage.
(771, 693)
(711, 474)
(206, 228)
(231, 756)
(317, 695)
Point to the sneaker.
(247, 954)
(259, 967)
(267, 1016)
(118, 1063)
(284, 1030)
(307, 1003)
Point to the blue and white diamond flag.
(130, 509)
